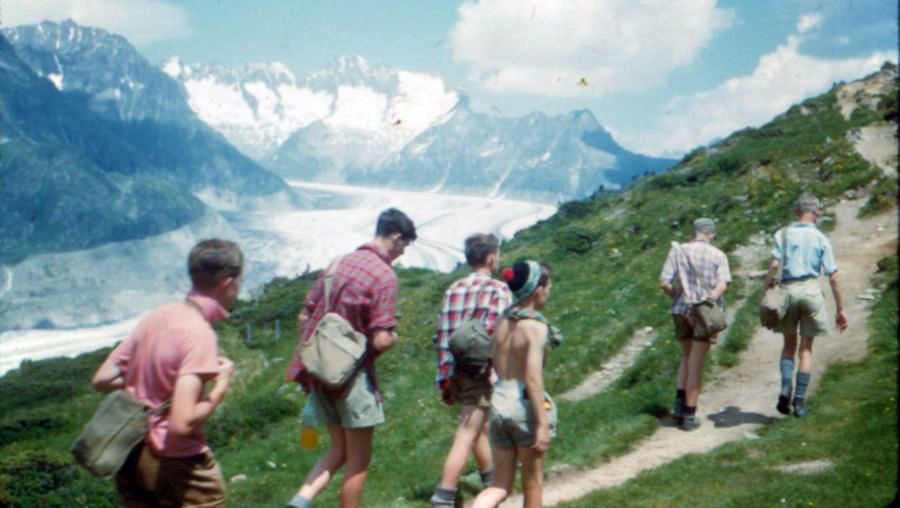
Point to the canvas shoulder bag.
(472, 348)
(334, 351)
(773, 306)
(707, 319)
(118, 425)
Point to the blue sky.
(662, 75)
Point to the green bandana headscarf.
(554, 335)
(534, 276)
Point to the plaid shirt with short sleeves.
(363, 291)
(710, 262)
(476, 296)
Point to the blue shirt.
(808, 252)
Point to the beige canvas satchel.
(773, 306)
(118, 425)
(334, 351)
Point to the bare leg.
(806, 344)
(532, 477)
(683, 368)
(359, 453)
(482, 448)
(790, 346)
(468, 433)
(504, 474)
(325, 468)
(695, 372)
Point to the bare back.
(519, 345)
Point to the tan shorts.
(147, 480)
(469, 391)
(806, 308)
(358, 408)
(512, 417)
(684, 330)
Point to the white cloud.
(577, 48)
(781, 79)
(809, 21)
(140, 21)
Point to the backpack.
(472, 348)
(334, 351)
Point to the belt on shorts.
(799, 279)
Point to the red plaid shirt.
(363, 291)
(476, 296)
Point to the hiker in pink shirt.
(168, 358)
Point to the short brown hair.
(212, 261)
(479, 246)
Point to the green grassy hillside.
(606, 252)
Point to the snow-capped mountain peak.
(258, 107)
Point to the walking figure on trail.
(362, 290)
(806, 253)
(170, 357)
(695, 273)
(523, 417)
(470, 307)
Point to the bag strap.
(783, 254)
(329, 279)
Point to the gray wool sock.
(443, 497)
(787, 374)
(802, 384)
(487, 478)
(299, 501)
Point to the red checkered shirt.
(476, 296)
(363, 291)
(710, 262)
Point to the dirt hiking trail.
(735, 402)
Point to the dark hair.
(394, 221)
(517, 276)
(212, 261)
(479, 246)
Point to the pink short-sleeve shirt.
(173, 340)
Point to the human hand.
(541, 438)
(226, 368)
(840, 320)
(302, 320)
(447, 392)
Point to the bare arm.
(382, 340)
(534, 384)
(667, 289)
(772, 273)
(189, 408)
(108, 377)
(718, 291)
(839, 318)
(302, 321)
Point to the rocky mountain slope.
(148, 109)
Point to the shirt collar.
(378, 251)
(801, 224)
(210, 308)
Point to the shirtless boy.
(523, 418)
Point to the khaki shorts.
(148, 480)
(358, 408)
(468, 391)
(806, 308)
(684, 330)
(512, 420)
